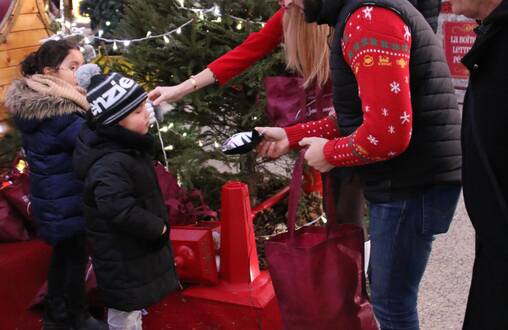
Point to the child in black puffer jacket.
(126, 218)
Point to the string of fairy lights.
(70, 29)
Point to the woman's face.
(67, 69)
(291, 3)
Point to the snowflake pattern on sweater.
(376, 45)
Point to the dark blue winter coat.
(50, 126)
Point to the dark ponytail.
(51, 54)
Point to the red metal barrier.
(270, 202)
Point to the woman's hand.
(167, 94)
(176, 93)
(315, 155)
(275, 142)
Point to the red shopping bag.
(18, 195)
(12, 228)
(288, 103)
(16, 190)
(317, 272)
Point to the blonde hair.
(306, 47)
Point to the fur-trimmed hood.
(27, 104)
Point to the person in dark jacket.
(126, 219)
(485, 161)
(48, 108)
(430, 10)
(398, 128)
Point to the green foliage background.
(205, 119)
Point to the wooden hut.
(23, 23)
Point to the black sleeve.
(114, 197)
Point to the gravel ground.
(445, 285)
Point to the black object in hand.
(241, 143)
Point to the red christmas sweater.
(375, 44)
(255, 47)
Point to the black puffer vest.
(434, 155)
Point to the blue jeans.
(401, 235)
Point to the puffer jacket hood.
(30, 108)
(326, 11)
(92, 145)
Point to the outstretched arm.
(229, 65)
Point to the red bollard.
(239, 258)
(241, 283)
(194, 254)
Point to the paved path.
(444, 289)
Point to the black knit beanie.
(112, 97)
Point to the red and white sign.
(459, 37)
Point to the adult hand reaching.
(315, 155)
(167, 94)
(176, 93)
(275, 142)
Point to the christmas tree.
(104, 14)
(193, 132)
(10, 145)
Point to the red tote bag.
(18, 195)
(317, 272)
(12, 228)
(288, 103)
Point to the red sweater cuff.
(221, 79)
(295, 133)
(329, 152)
